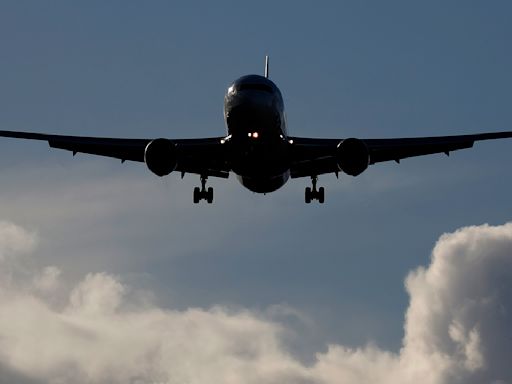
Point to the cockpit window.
(257, 87)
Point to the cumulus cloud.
(48, 279)
(14, 240)
(456, 329)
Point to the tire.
(307, 195)
(196, 195)
(209, 196)
(321, 195)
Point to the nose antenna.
(266, 66)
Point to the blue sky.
(346, 69)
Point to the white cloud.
(457, 328)
(14, 240)
(97, 294)
(48, 279)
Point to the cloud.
(14, 240)
(48, 279)
(457, 328)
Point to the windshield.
(256, 86)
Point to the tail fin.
(266, 66)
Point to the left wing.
(203, 156)
(312, 157)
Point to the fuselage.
(256, 126)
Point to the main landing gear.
(203, 193)
(313, 193)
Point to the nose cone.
(255, 90)
(253, 103)
(253, 86)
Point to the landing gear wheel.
(197, 195)
(321, 195)
(201, 193)
(312, 193)
(307, 195)
(209, 195)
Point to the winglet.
(266, 66)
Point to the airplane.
(257, 147)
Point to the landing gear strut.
(313, 193)
(203, 193)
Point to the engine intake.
(160, 157)
(353, 156)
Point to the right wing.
(206, 156)
(313, 157)
(401, 148)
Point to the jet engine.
(160, 156)
(353, 156)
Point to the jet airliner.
(257, 147)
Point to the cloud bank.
(457, 327)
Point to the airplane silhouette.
(257, 147)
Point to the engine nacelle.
(353, 156)
(160, 157)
